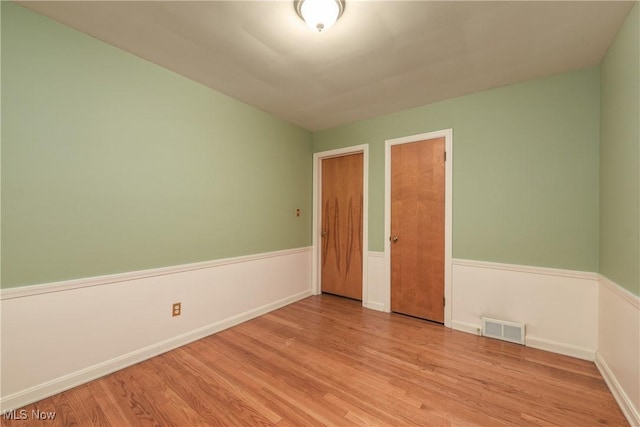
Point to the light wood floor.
(327, 361)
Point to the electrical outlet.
(177, 309)
(297, 212)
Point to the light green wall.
(525, 174)
(101, 146)
(620, 157)
(112, 164)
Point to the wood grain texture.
(326, 361)
(417, 219)
(342, 221)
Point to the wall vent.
(503, 330)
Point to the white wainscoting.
(559, 307)
(56, 336)
(375, 281)
(618, 357)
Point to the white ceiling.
(380, 57)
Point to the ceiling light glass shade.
(319, 15)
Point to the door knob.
(393, 239)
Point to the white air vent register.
(503, 330)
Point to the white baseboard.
(469, 328)
(533, 342)
(561, 348)
(378, 306)
(80, 339)
(631, 414)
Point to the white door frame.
(316, 271)
(448, 203)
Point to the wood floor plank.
(326, 361)
(106, 401)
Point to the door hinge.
(444, 301)
(445, 156)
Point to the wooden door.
(417, 229)
(341, 232)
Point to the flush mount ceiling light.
(319, 15)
